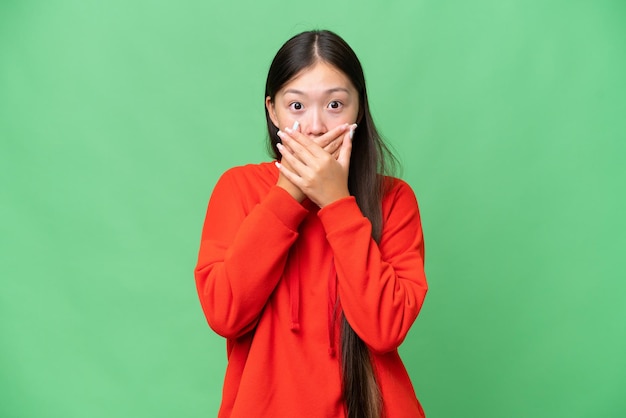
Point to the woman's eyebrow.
(333, 90)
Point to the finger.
(290, 160)
(302, 147)
(346, 150)
(323, 141)
(330, 141)
(295, 133)
(332, 135)
(288, 174)
(334, 146)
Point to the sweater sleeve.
(243, 253)
(381, 286)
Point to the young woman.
(312, 266)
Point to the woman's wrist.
(290, 188)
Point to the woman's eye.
(334, 104)
(296, 106)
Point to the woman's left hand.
(321, 177)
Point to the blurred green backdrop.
(117, 117)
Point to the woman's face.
(320, 98)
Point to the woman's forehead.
(319, 78)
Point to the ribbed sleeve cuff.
(340, 215)
(287, 209)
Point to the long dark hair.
(370, 159)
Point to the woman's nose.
(314, 125)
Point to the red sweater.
(270, 271)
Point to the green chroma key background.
(117, 117)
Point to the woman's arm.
(243, 251)
(381, 287)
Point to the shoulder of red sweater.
(262, 173)
(265, 168)
(395, 185)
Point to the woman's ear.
(269, 105)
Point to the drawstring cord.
(332, 308)
(294, 292)
(294, 300)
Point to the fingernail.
(277, 164)
(280, 133)
(295, 125)
(288, 130)
(279, 145)
(352, 128)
